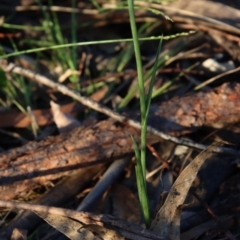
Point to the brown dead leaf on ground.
(125, 204)
(19, 234)
(44, 117)
(167, 221)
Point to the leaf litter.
(221, 38)
(167, 220)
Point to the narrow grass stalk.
(166, 85)
(141, 185)
(93, 43)
(160, 63)
(73, 64)
(150, 90)
(74, 34)
(145, 101)
(141, 157)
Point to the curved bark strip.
(216, 108)
(37, 162)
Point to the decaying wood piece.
(216, 108)
(53, 159)
(37, 162)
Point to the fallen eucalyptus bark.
(37, 162)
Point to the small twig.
(217, 77)
(156, 155)
(114, 170)
(10, 67)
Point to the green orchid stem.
(141, 165)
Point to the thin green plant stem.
(73, 62)
(167, 84)
(141, 165)
(56, 27)
(41, 43)
(139, 68)
(68, 58)
(150, 91)
(21, 84)
(141, 180)
(96, 4)
(19, 106)
(46, 17)
(21, 27)
(126, 54)
(52, 32)
(74, 34)
(160, 63)
(155, 11)
(93, 43)
(64, 56)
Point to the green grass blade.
(141, 160)
(92, 43)
(149, 95)
(137, 56)
(74, 34)
(130, 95)
(141, 185)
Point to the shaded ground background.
(107, 73)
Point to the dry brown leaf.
(64, 122)
(19, 234)
(125, 204)
(167, 221)
(14, 118)
(76, 230)
(89, 221)
(69, 227)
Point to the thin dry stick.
(156, 155)
(216, 77)
(10, 67)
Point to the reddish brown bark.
(37, 162)
(216, 108)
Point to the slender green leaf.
(149, 95)
(94, 43)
